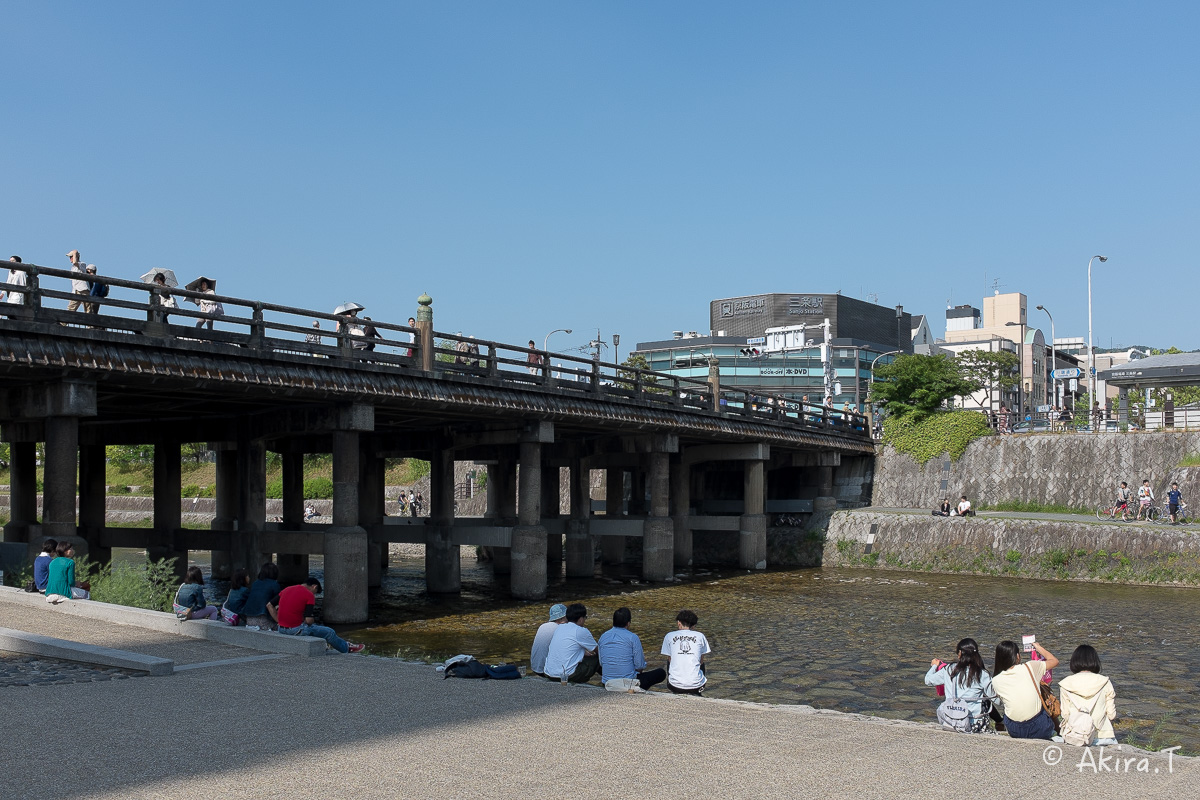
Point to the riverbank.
(382, 728)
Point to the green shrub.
(1012, 556)
(151, 585)
(191, 490)
(318, 489)
(845, 547)
(119, 490)
(870, 559)
(944, 432)
(275, 489)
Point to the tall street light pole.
(1053, 359)
(1091, 352)
(546, 341)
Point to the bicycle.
(1153, 513)
(1182, 517)
(1114, 512)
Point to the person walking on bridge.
(79, 285)
(16, 277)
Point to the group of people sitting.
(963, 509)
(54, 573)
(1016, 696)
(564, 650)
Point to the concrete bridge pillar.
(551, 502)
(251, 483)
(681, 500)
(168, 506)
(825, 501)
(370, 513)
(529, 536)
(293, 567)
(91, 501)
(22, 493)
(658, 542)
(443, 565)
(581, 559)
(752, 536)
(506, 511)
(346, 542)
(227, 514)
(612, 548)
(59, 487)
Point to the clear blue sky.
(619, 164)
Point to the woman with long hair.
(1018, 685)
(968, 688)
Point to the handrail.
(262, 326)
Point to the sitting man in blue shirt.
(622, 660)
(572, 652)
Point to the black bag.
(465, 669)
(31, 587)
(503, 672)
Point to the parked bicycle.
(1182, 517)
(1114, 512)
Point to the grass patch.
(151, 585)
(944, 432)
(1190, 461)
(1033, 507)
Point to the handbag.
(1050, 703)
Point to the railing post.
(595, 377)
(33, 289)
(546, 368)
(425, 331)
(257, 327)
(493, 363)
(676, 394)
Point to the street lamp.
(875, 361)
(546, 341)
(1091, 353)
(1053, 359)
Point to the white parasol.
(168, 276)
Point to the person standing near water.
(686, 649)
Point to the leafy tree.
(634, 362)
(126, 456)
(919, 384)
(992, 370)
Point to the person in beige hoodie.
(1085, 689)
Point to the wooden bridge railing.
(136, 308)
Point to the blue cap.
(557, 611)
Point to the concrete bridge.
(696, 455)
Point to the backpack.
(955, 714)
(465, 669)
(1080, 728)
(503, 672)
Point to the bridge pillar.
(581, 558)
(293, 567)
(252, 504)
(752, 536)
(22, 493)
(91, 501)
(225, 519)
(658, 542)
(346, 542)
(59, 487)
(168, 506)
(825, 501)
(551, 505)
(612, 548)
(370, 513)
(506, 511)
(443, 563)
(529, 535)
(681, 500)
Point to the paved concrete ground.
(22, 670)
(362, 726)
(1031, 515)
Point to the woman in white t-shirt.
(685, 650)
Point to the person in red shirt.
(294, 608)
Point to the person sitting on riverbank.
(622, 659)
(685, 650)
(189, 600)
(963, 509)
(235, 604)
(968, 688)
(41, 564)
(543, 637)
(60, 576)
(258, 616)
(295, 608)
(944, 509)
(1089, 702)
(572, 652)
(1018, 687)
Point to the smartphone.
(1027, 643)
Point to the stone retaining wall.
(1130, 553)
(1077, 469)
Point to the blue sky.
(615, 165)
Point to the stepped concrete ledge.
(264, 641)
(33, 644)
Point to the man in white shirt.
(685, 649)
(541, 640)
(572, 649)
(16, 277)
(79, 285)
(963, 508)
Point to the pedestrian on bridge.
(16, 277)
(79, 285)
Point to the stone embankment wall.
(1128, 553)
(1077, 469)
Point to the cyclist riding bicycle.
(1122, 503)
(1145, 498)
(1174, 501)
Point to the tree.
(637, 361)
(919, 385)
(992, 370)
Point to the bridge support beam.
(370, 512)
(529, 536)
(658, 540)
(91, 500)
(59, 487)
(612, 548)
(345, 542)
(681, 500)
(752, 535)
(293, 567)
(506, 510)
(22, 494)
(581, 559)
(551, 502)
(168, 506)
(251, 505)
(227, 507)
(443, 564)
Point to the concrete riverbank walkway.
(1046, 515)
(362, 726)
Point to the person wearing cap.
(80, 285)
(572, 653)
(541, 639)
(622, 659)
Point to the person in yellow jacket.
(1087, 691)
